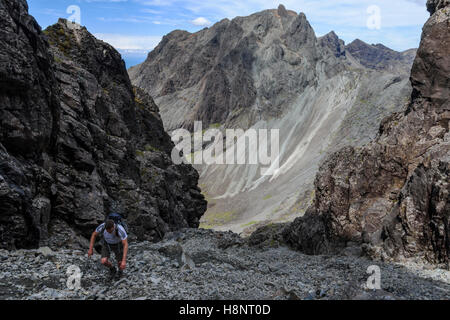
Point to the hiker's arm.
(91, 246)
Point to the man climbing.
(114, 240)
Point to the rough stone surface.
(392, 197)
(430, 74)
(77, 141)
(238, 272)
(433, 5)
(333, 43)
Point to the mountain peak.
(331, 35)
(284, 13)
(76, 43)
(358, 42)
(378, 56)
(282, 10)
(332, 41)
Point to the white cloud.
(203, 22)
(401, 20)
(350, 13)
(129, 42)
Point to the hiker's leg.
(119, 256)
(118, 253)
(106, 254)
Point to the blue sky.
(135, 27)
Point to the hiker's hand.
(123, 265)
(90, 253)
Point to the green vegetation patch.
(58, 37)
(140, 153)
(251, 223)
(150, 148)
(218, 219)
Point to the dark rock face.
(28, 116)
(267, 236)
(431, 69)
(378, 56)
(332, 42)
(27, 126)
(392, 197)
(433, 5)
(77, 141)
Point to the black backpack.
(118, 220)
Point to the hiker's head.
(110, 226)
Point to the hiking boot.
(112, 271)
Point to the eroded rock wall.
(392, 196)
(78, 141)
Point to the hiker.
(114, 240)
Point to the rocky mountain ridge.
(66, 109)
(77, 141)
(231, 60)
(270, 71)
(380, 57)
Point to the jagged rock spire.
(282, 11)
(434, 5)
